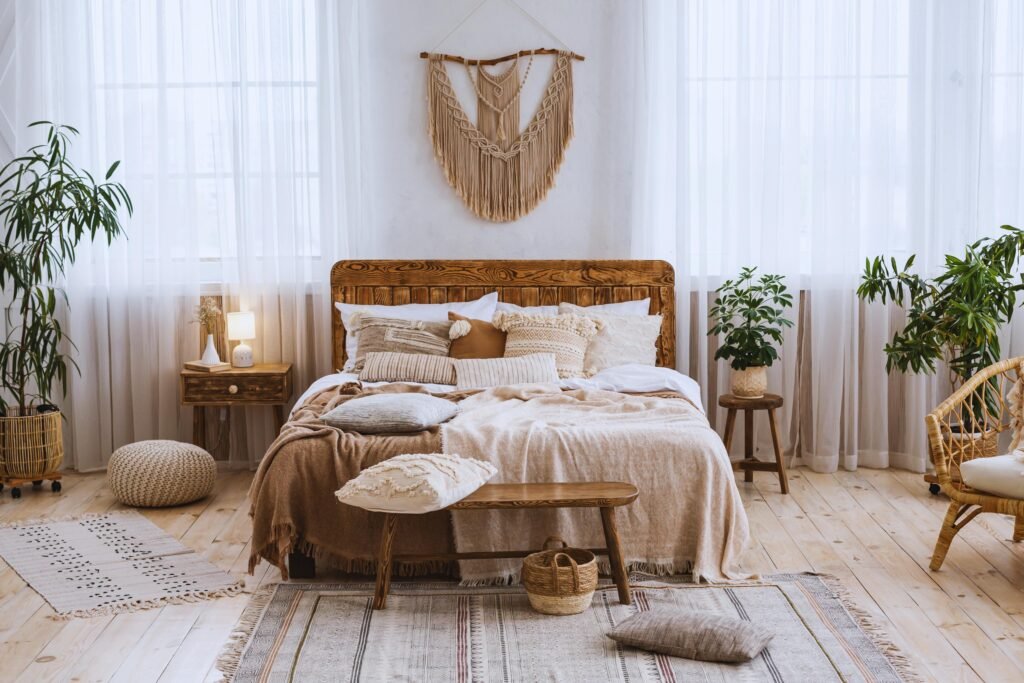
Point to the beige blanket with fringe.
(688, 516)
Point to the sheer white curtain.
(801, 137)
(237, 125)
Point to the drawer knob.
(233, 389)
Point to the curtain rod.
(498, 60)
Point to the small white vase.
(750, 383)
(210, 355)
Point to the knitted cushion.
(565, 336)
(407, 367)
(480, 373)
(160, 473)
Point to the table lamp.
(242, 326)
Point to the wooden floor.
(873, 529)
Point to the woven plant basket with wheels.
(31, 445)
(560, 581)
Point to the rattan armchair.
(988, 404)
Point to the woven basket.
(31, 445)
(560, 581)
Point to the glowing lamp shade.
(242, 326)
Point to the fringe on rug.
(231, 654)
(69, 518)
(874, 631)
(139, 605)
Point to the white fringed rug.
(434, 631)
(113, 562)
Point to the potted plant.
(954, 317)
(749, 314)
(47, 206)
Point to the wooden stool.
(594, 494)
(750, 464)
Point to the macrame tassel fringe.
(495, 184)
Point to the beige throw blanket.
(688, 516)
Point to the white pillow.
(480, 309)
(641, 307)
(480, 373)
(1002, 475)
(623, 340)
(391, 413)
(416, 483)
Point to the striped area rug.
(443, 632)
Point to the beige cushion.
(693, 635)
(1001, 475)
(416, 483)
(565, 336)
(375, 334)
(623, 339)
(407, 367)
(390, 413)
(481, 373)
(160, 473)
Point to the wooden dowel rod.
(498, 60)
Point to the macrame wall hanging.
(500, 170)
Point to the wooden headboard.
(527, 283)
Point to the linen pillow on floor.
(622, 340)
(416, 483)
(693, 635)
(407, 367)
(481, 373)
(481, 309)
(482, 340)
(391, 413)
(376, 334)
(565, 336)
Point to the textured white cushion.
(640, 307)
(479, 309)
(1002, 475)
(480, 373)
(566, 336)
(624, 339)
(416, 483)
(391, 413)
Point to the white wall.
(411, 208)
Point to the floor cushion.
(160, 473)
(693, 635)
(1000, 475)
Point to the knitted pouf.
(153, 474)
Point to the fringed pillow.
(565, 336)
(416, 483)
(376, 334)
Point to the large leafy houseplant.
(954, 317)
(749, 313)
(48, 205)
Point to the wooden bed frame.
(527, 283)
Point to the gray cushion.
(693, 635)
(391, 413)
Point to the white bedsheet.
(623, 378)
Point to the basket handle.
(555, 539)
(575, 571)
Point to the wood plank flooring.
(874, 529)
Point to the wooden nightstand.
(267, 384)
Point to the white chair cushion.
(416, 483)
(391, 413)
(1000, 475)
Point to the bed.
(638, 424)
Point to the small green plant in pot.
(954, 317)
(47, 207)
(749, 314)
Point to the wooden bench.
(604, 495)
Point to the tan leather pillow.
(484, 340)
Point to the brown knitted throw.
(500, 173)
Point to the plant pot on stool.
(750, 382)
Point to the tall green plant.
(956, 316)
(750, 314)
(47, 206)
